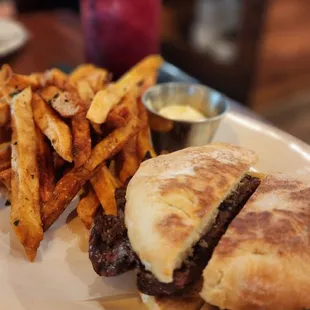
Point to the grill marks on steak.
(109, 247)
(193, 266)
(111, 254)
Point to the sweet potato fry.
(71, 183)
(53, 127)
(144, 144)
(25, 208)
(104, 185)
(4, 113)
(81, 139)
(87, 207)
(6, 177)
(5, 155)
(105, 99)
(46, 167)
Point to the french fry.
(5, 155)
(112, 144)
(6, 177)
(97, 128)
(59, 162)
(17, 82)
(104, 185)
(98, 79)
(85, 91)
(49, 92)
(81, 72)
(81, 139)
(6, 73)
(4, 113)
(143, 139)
(25, 208)
(53, 127)
(71, 183)
(87, 207)
(46, 167)
(119, 115)
(112, 168)
(105, 99)
(66, 103)
(54, 77)
(128, 161)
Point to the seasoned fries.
(25, 208)
(5, 178)
(104, 100)
(71, 183)
(4, 113)
(53, 127)
(104, 185)
(143, 140)
(81, 139)
(61, 133)
(46, 167)
(87, 207)
(5, 155)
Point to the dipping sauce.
(180, 112)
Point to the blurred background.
(257, 52)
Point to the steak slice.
(193, 266)
(109, 247)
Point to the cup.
(171, 134)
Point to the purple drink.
(119, 33)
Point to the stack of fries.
(63, 135)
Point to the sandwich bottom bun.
(188, 301)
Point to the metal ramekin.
(172, 134)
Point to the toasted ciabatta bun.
(173, 199)
(263, 260)
(190, 300)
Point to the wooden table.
(55, 39)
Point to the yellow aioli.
(183, 113)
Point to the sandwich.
(263, 259)
(171, 216)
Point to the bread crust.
(173, 199)
(263, 260)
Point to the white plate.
(13, 36)
(62, 276)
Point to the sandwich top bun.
(173, 199)
(263, 260)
